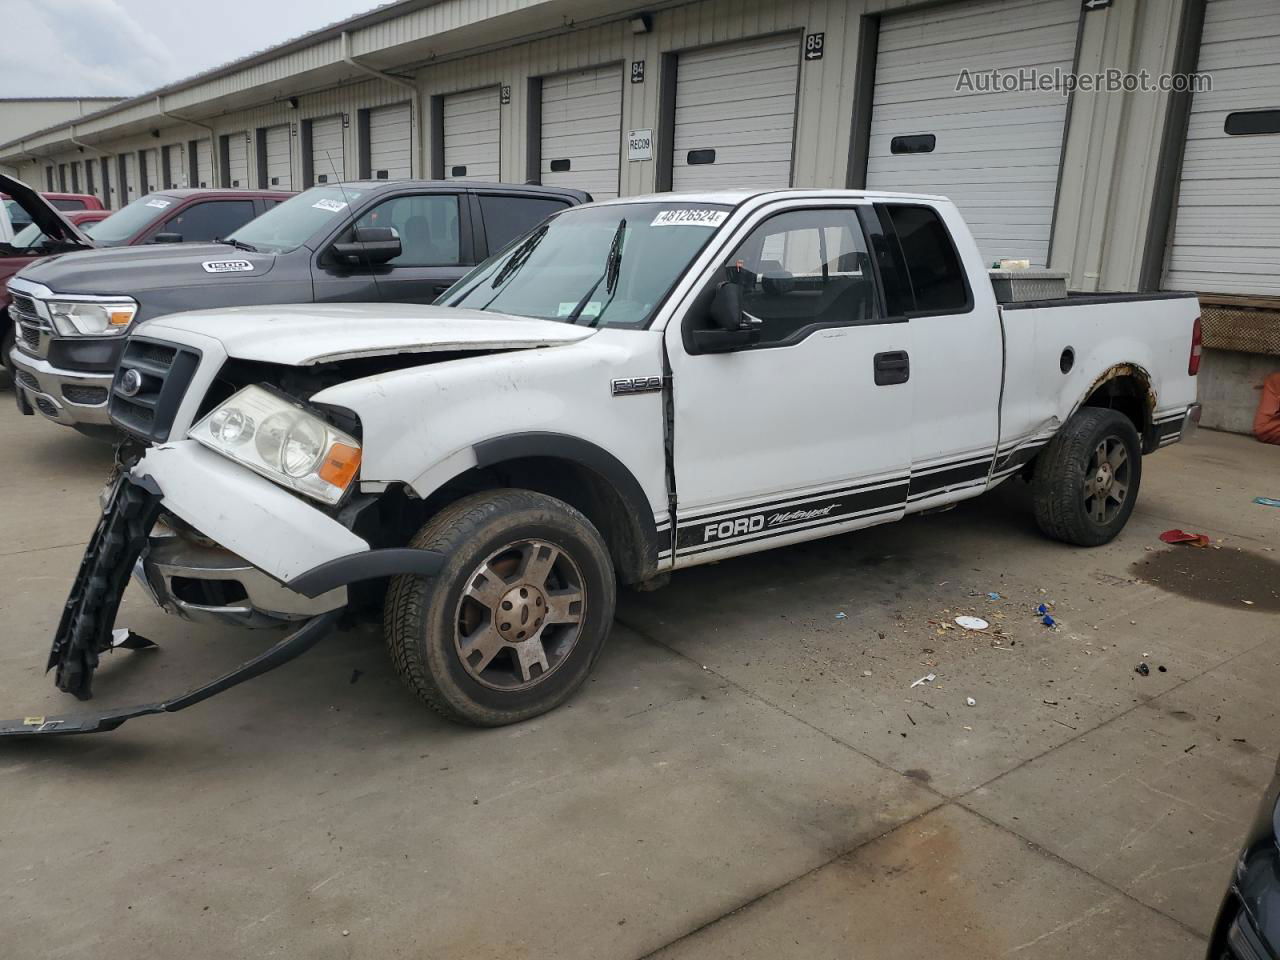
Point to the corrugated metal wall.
(1103, 205)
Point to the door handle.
(892, 366)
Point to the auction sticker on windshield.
(335, 206)
(690, 217)
(159, 203)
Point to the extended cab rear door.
(925, 256)
(808, 431)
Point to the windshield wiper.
(612, 268)
(239, 244)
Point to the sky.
(101, 48)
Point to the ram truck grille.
(149, 386)
(33, 333)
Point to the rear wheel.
(514, 621)
(1086, 481)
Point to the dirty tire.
(1058, 484)
(421, 614)
(7, 341)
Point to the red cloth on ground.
(1266, 425)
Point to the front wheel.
(1086, 481)
(514, 621)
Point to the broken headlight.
(279, 439)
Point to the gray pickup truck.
(403, 241)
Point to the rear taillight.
(1193, 362)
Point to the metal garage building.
(1123, 190)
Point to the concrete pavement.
(747, 774)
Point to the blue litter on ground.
(1042, 609)
(993, 596)
(1267, 501)
(842, 615)
(1048, 621)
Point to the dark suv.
(401, 241)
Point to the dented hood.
(304, 334)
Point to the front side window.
(802, 268)
(209, 221)
(931, 263)
(605, 266)
(67, 203)
(427, 225)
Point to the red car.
(169, 216)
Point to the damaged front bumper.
(292, 562)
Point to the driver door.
(807, 431)
(435, 241)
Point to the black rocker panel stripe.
(937, 482)
(719, 512)
(711, 534)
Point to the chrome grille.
(33, 333)
(30, 336)
(164, 373)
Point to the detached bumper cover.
(131, 509)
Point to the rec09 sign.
(640, 145)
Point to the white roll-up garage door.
(472, 135)
(1226, 236)
(130, 192)
(582, 130)
(204, 164)
(151, 179)
(237, 160)
(328, 164)
(174, 162)
(735, 115)
(391, 142)
(996, 154)
(278, 166)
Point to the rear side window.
(68, 204)
(930, 260)
(212, 220)
(506, 218)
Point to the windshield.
(17, 216)
(29, 236)
(291, 224)
(123, 225)
(606, 266)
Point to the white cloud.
(68, 48)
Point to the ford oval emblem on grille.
(130, 383)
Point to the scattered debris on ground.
(1142, 669)
(1181, 536)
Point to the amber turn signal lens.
(340, 465)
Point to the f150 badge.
(227, 266)
(628, 385)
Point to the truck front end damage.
(168, 519)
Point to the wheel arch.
(584, 475)
(1126, 388)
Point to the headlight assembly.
(280, 440)
(86, 318)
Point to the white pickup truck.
(636, 386)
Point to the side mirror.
(369, 245)
(167, 238)
(734, 328)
